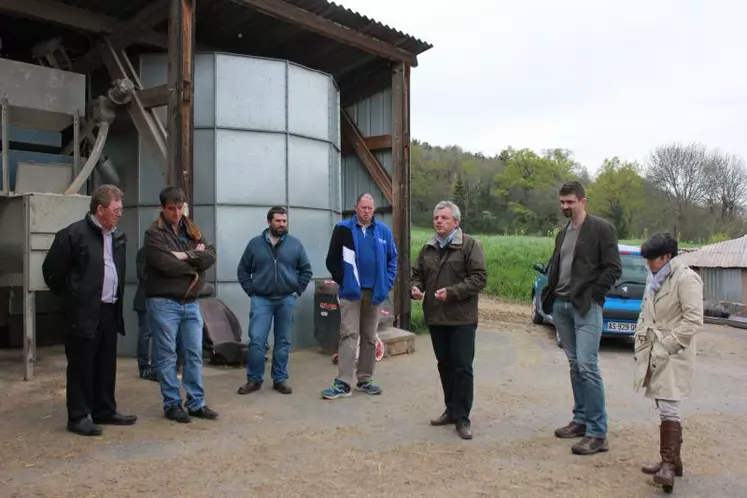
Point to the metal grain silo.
(266, 133)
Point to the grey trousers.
(359, 319)
(668, 410)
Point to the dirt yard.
(268, 445)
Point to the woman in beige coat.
(671, 315)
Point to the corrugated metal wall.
(372, 116)
(722, 284)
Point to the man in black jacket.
(85, 267)
(583, 268)
(177, 256)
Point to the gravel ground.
(268, 445)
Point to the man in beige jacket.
(672, 313)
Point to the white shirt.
(109, 289)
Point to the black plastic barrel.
(326, 315)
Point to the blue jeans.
(580, 335)
(172, 324)
(264, 313)
(146, 345)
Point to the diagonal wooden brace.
(373, 166)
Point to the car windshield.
(633, 269)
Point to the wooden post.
(29, 298)
(401, 191)
(181, 97)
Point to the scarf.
(654, 281)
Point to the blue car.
(622, 304)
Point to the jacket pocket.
(642, 346)
(659, 354)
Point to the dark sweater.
(274, 271)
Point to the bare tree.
(681, 171)
(727, 177)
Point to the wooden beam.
(181, 98)
(126, 33)
(401, 192)
(375, 169)
(318, 24)
(74, 17)
(377, 142)
(155, 96)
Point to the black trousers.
(92, 369)
(454, 346)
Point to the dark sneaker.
(84, 427)
(368, 387)
(116, 419)
(464, 430)
(574, 429)
(339, 389)
(205, 413)
(282, 387)
(177, 414)
(590, 445)
(149, 373)
(250, 387)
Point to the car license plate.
(621, 326)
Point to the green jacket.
(460, 269)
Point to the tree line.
(697, 193)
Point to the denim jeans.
(146, 344)
(177, 326)
(580, 335)
(264, 313)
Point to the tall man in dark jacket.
(177, 256)
(85, 267)
(273, 271)
(583, 268)
(448, 276)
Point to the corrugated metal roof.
(728, 254)
(358, 22)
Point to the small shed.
(723, 268)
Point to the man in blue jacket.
(362, 259)
(273, 272)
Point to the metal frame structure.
(366, 55)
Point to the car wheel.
(535, 314)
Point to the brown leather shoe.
(590, 445)
(572, 430)
(464, 431)
(653, 468)
(670, 434)
(443, 419)
(282, 387)
(250, 387)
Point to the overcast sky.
(598, 77)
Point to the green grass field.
(509, 260)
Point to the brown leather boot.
(653, 468)
(670, 437)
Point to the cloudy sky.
(601, 78)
